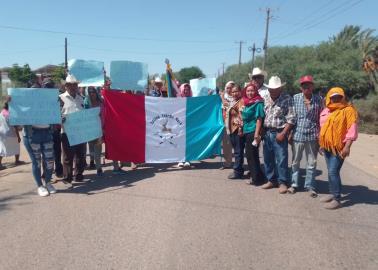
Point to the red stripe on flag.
(124, 126)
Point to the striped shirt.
(307, 127)
(279, 112)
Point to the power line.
(152, 53)
(312, 23)
(110, 37)
(30, 50)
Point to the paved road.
(161, 217)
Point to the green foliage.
(186, 74)
(337, 62)
(58, 74)
(368, 113)
(21, 75)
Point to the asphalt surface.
(162, 217)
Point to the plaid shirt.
(279, 112)
(307, 127)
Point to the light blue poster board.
(201, 87)
(34, 106)
(83, 126)
(128, 75)
(88, 72)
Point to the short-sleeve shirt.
(250, 115)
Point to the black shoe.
(67, 180)
(235, 176)
(92, 165)
(79, 178)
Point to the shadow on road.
(109, 182)
(6, 201)
(352, 195)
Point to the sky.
(188, 33)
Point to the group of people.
(257, 114)
(264, 113)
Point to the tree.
(58, 74)
(21, 76)
(186, 74)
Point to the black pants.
(58, 152)
(252, 155)
(238, 143)
(71, 153)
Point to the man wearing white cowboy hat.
(258, 76)
(279, 120)
(157, 90)
(72, 102)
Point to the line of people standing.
(264, 113)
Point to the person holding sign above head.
(39, 143)
(72, 102)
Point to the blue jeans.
(275, 158)
(238, 143)
(334, 164)
(311, 149)
(40, 147)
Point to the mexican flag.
(146, 129)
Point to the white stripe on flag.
(165, 129)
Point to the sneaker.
(268, 185)
(180, 164)
(118, 172)
(186, 164)
(133, 166)
(235, 176)
(99, 172)
(282, 189)
(224, 167)
(312, 193)
(292, 190)
(43, 192)
(334, 204)
(50, 188)
(326, 199)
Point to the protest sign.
(88, 72)
(203, 87)
(127, 75)
(34, 106)
(83, 126)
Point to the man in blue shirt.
(305, 134)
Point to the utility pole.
(253, 49)
(65, 56)
(268, 17)
(240, 49)
(223, 64)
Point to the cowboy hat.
(71, 79)
(274, 83)
(158, 80)
(257, 72)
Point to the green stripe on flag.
(204, 127)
